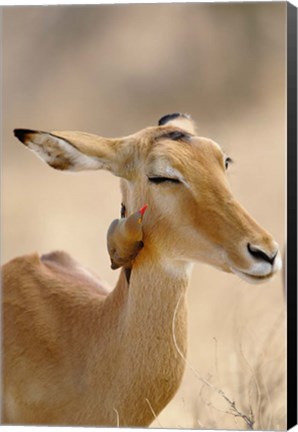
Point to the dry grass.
(252, 397)
(254, 401)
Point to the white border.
(98, 2)
(107, 2)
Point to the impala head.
(192, 214)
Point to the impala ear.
(182, 121)
(76, 151)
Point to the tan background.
(113, 70)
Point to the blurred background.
(113, 70)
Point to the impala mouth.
(253, 278)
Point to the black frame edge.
(291, 216)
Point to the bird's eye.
(123, 211)
(158, 180)
(228, 160)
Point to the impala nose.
(261, 255)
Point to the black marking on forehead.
(165, 119)
(176, 135)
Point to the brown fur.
(77, 355)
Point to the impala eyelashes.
(158, 180)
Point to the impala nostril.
(259, 254)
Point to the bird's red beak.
(143, 209)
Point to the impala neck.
(157, 281)
(156, 304)
(153, 304)
(153, 320)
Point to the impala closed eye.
(158, 180)
(175, 135)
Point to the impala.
(76, 353)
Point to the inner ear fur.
(76, 151)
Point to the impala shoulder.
(24, 262)
(67, 269)
(34, 263)
(19, 278)
(60, 258)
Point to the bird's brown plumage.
(125, 239)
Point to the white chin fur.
(253, 279)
